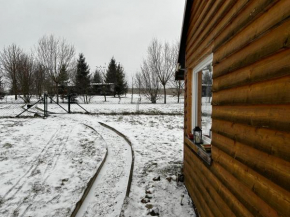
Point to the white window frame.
(206, 61)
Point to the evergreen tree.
(63, 76)
(98, 78)
(63, 81)
(111, 72)
(121, 86)
(83, 78)
(115, 74)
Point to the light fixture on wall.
(197, 135)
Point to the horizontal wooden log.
(203, 205)
(275, 40)
(276, 91)
(190, 189)
(272, 142)
(253, 10)
(273, 168)
(195, 16)
(203, 13)
(195, 12)
(195, 32)
(207, 29)
(275, 66)
(234, 204)
(192, 61)
(253, 203)
(266, 21)
(277, 197)
(195, 48)
(213, 209)
(269, 116)
(216, 203)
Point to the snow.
(157, 143)
(109, 189)
(45, 164)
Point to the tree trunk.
(178, 95)
(15, 89)
(132, 95)
(56, 84)
(164, 90)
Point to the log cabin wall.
(250, 170)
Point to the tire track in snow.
(56, 140)
(110, 187)
(34, 164)
(60, 141)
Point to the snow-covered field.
(10, 107)
(45, 164)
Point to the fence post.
(69, 98)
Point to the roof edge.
(180, 68)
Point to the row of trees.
(114, 74)
(51, 65)
(41, 69)
(157, 71)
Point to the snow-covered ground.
(157, 143)
(10, 108)
(45, 164)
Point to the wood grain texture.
(275, 66)
(250, 172)
(195, 32)
(203, 13)
(194, 48)
(272, 194)
(190, 187)
(213, 209)
(220, 207)
(233, 203)
(276, 91)
(250, 13)
(276, 117)
(195, 16)
(278, 13)
(275, 40)
(251, 201)
(272, 142)
(272, 168)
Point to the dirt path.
(109, 189)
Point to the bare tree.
(178, 88)
(149, 82)
(138, 82)
(9, 59)
(162, 58)
(178, 85)
(39, 78)
(53, 53)
(25, 77)
(2, 92)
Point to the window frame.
(194, 109)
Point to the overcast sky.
(99, 29)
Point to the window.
(202, 97)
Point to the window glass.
(206, 98)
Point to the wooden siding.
(250, 171)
